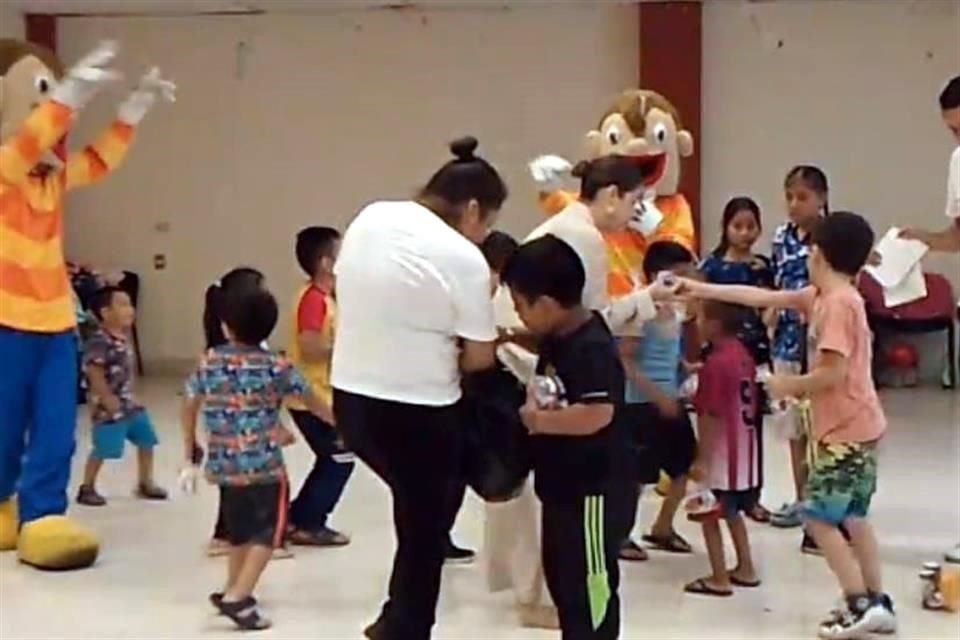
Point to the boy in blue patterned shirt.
(241, 387)
(116, 415)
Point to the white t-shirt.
(408, 286)
(953, 185)
(574, 225)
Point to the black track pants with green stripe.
(581, 540)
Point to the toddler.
(240, 387)
(115, 412)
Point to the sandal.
(760, 514)
(746, 584)
(701, 587)
(632, 552)
(673, 543)
(216, 598)
(245, 614)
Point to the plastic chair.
(934, 313)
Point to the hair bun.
(580, 169)
(463, 148)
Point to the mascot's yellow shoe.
(8, 525)
(57, 543)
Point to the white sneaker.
(876, 618)
(953, 555)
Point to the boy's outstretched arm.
(749, 296)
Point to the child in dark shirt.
(570, 411)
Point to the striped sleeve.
(554, 202)
(97, 160)
(42, 129)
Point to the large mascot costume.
(38, 351)
(644, 125)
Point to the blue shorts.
(108, 437)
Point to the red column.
(41, 29)
(671, 46)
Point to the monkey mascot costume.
(38, 350)
(644, 125)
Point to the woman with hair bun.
(415, 314)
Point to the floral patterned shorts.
(843, 479)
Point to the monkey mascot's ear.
(28, 75)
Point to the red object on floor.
(902, 355)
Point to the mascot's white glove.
(189, 476)
(141, 100)
(87, 77)
(549, 171)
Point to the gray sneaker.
(788, 516)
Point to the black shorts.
(660, 444)
(255, 514)
(733, 503)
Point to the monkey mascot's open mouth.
(653, 166)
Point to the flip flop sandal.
(701, 587)
(632, 552)
(245, 614)
(746, 584)
(759, 514)
(673, 543)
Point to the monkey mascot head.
(28, 73)
(645, 125)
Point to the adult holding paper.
(947, 240)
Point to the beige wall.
(853, 89)
(330, 111)
(326, 113)
(11, 20)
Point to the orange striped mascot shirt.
(626, 249)
(35, 292)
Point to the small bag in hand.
(497, 448)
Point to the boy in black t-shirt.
(570, 411)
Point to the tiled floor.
(152, 578)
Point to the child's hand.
(692, 367)
(770, 317)
(188, 479)
(668, 407)
(283, 436)
(699, 471)
(529, 412)
(112, 404)
(780, 386)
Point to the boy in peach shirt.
(847, 419)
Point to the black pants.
(416, 450)
(581, 544)
(323, 486)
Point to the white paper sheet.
(912, 287)
(898, 258)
